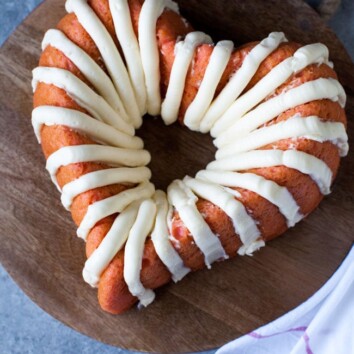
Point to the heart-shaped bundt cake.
(274, 108)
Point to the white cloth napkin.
(324, 324)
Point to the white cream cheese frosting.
(83, 95)
(310, 54)
(150, 12)
(218, 61)
(134, 249)
(160, 237)
(240, 79)
(97, 130)
(88, 67)
(184, 202)
(184, 54)
(269, 190)
(112, 243)
(110, 54)
(130, 46)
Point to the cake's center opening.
(175, 150)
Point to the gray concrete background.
(24, 327)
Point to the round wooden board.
(38, 244)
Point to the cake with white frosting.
(274, 108)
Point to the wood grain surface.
(41, 252)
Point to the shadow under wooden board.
(38, 244)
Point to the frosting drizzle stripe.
(102, 178)
(301, 161)
(130, 46)
(150, 12)
(296, 127)
(134, 249)
(160, 237)
(81, 122)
